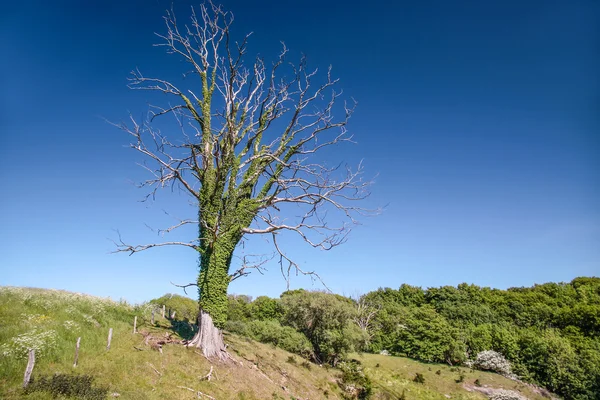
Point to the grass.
(51, 321)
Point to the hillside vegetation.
(304, 335)
(547, 334)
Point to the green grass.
(51, 321)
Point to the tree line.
(549, 333)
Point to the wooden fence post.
(110, 331)
(76, 352)
(29, 368)
(135, 324)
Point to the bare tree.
(364, 314)
(242, 150)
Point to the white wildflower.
(41, 342)
(71, 325)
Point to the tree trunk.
(209, 339)
(213, 281)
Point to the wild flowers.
(42, 342)
(71, 325)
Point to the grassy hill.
(50, 321)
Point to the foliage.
(239, 308)
(273, 333)
(184, 307)
(353, 381)
(266, 308)
(74, 386)
(427, 336)
(550, 333)
(130, 368)
(326, 320)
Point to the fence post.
(76, 352)
(110, 331)
(29, 368)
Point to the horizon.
(479, 122)
(252, 298)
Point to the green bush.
(184, 307)
(326, 320)
(353, 381)
(272, 332)
(265, 308)
(74, 386)
(427, 336)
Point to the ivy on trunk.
(243, 148)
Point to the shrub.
(419, 378)
(425, 335)
(325, 319)
(490, 360)
(272, 332)
(75, 386)
(184, 307)
(265, 308)
(354, 382)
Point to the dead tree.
(245, 147)
(365, 312)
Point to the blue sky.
(479, 119)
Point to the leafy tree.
(266, 308)
(238, 307)
(425, 335)
(326, 320)
(241, 148)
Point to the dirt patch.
(496, 393)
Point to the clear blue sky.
(481, 120)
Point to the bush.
(76, 386)
(272, 332)
(326, 320)
(490, 360)
(425, 335)
(184, 307)
(265, 308)
(354, 382)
